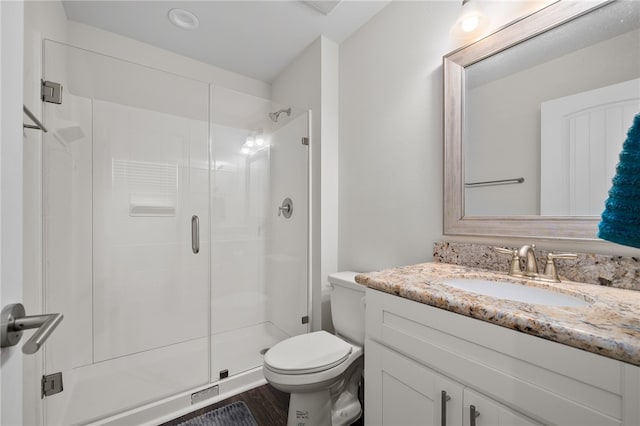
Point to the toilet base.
(336, 405)
(310, 409)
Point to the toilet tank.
(347, 306)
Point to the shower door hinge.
(51, 92)
(305, 141)
(51, 384)
(305, 319)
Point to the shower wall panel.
(145, 275)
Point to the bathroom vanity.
(439, 355)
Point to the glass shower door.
(125, 182)
(259, 284)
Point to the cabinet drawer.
(550, 382)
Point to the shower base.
(235, 355)
(179, 405)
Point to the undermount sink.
(515, 292)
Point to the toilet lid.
(307, 353)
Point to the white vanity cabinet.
(414, 352)
(402, 392)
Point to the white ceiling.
(254, 38)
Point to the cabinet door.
(490, 413)
(401, 392)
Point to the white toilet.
(322, 371)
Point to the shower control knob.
(286, 209)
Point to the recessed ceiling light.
(183, 19)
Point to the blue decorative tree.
(621, 217)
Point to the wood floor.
(268, 405)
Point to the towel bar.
(495, 182)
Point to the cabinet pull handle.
(473, 413)
(195, 234)
(443, 407)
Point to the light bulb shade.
(469, 23)
(472, 21)
(621, 217)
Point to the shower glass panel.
(259, 258)
(125, 167)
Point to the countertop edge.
(519, 316)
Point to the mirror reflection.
(544, 121)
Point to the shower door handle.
(195, 234)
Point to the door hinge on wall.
(305, 141)
(51, 384)
(51, 92)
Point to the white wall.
(311, 82)
(391, 135)
(329, 179)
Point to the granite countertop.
(608, 326)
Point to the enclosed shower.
(162, 242)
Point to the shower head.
(274, 115)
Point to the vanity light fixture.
(472, 20)
(183, 19)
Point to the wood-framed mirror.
(513, 152)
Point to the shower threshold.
(178, 405)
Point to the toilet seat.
(307, 353)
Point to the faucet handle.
(550, 269)
(562, 256)
(503, 250)
(514, 268)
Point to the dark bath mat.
(235, 414)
